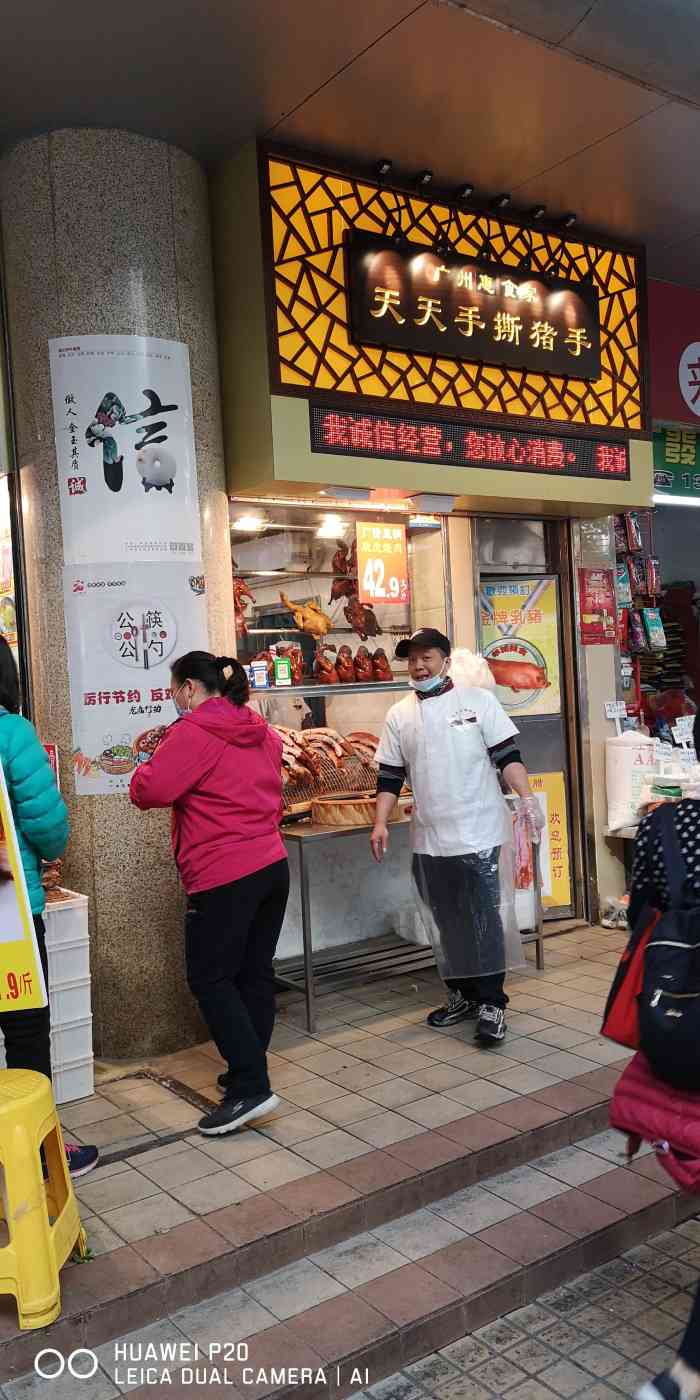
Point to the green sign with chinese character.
(677, 462)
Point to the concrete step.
(361, 1301)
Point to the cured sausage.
(519, 675)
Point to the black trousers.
(231, 934)
(462, 897)
(28, 1033)
(689, 1350)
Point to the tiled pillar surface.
(106, 232)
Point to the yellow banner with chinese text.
(22, 985)
(550, 790)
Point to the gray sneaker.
(491, 1024)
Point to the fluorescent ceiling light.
(346, 493)
(248, 523)
(330, 527)
(661, 499)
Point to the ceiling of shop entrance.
(590, 105)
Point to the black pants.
(28, 1033)
(462, 897)
(689, 1350)
(231, 935)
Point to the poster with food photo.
(519, 626)
(126, 625)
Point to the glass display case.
(321, 597)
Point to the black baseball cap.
(425, 637)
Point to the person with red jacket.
(219, 768)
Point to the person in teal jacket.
(41, 822)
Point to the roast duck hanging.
(345, 666)
(241, 592)
(381, 669)
(364, 671)
(324, 668)
(361, 619)
(345, 560)
(308, 618)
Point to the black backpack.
(669, 1002)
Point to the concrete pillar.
(106, 232)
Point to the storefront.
(380, 479)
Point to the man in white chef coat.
(449, 743)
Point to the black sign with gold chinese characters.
(413, 298)
(453, 444)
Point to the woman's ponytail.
(235, 686)
(211, 672)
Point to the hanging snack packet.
(637, 638)
(653, 576)
(638, 573)
(623, 628)
(654, 629)
(634, 534)
(622, 585)
(620, 534)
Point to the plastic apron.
(463, 847)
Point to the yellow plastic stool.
(41, 1214)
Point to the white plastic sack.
(629, 764)
(468, 669)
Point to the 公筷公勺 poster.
(125, 448)
(519, 627)
(125, 625)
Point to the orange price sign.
(382, 562)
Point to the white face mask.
(428, 683)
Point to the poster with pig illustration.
(519, 625)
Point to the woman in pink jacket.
(219, 768)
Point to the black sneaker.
(457, 1009)
(491, 1024)
(234, 1112)
(663, 1387)
(81, 1160)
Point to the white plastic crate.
(70, 1001)
(74, 1080)
(67, 922)
(69, 962)
(71, 1041)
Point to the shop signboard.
(410, 297)
(674, 350)
(677, 462)
(125, 627)
(451, 444)
(597, 607)
(22, 986)
(125, 449)
(519, 630)
(550, 791)
(382, 563)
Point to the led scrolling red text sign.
(459, 445)
(413, 298)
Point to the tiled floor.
(599, 1337)
(596, 1337)
(373, 1079)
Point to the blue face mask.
(428, 683)
(181, 709)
